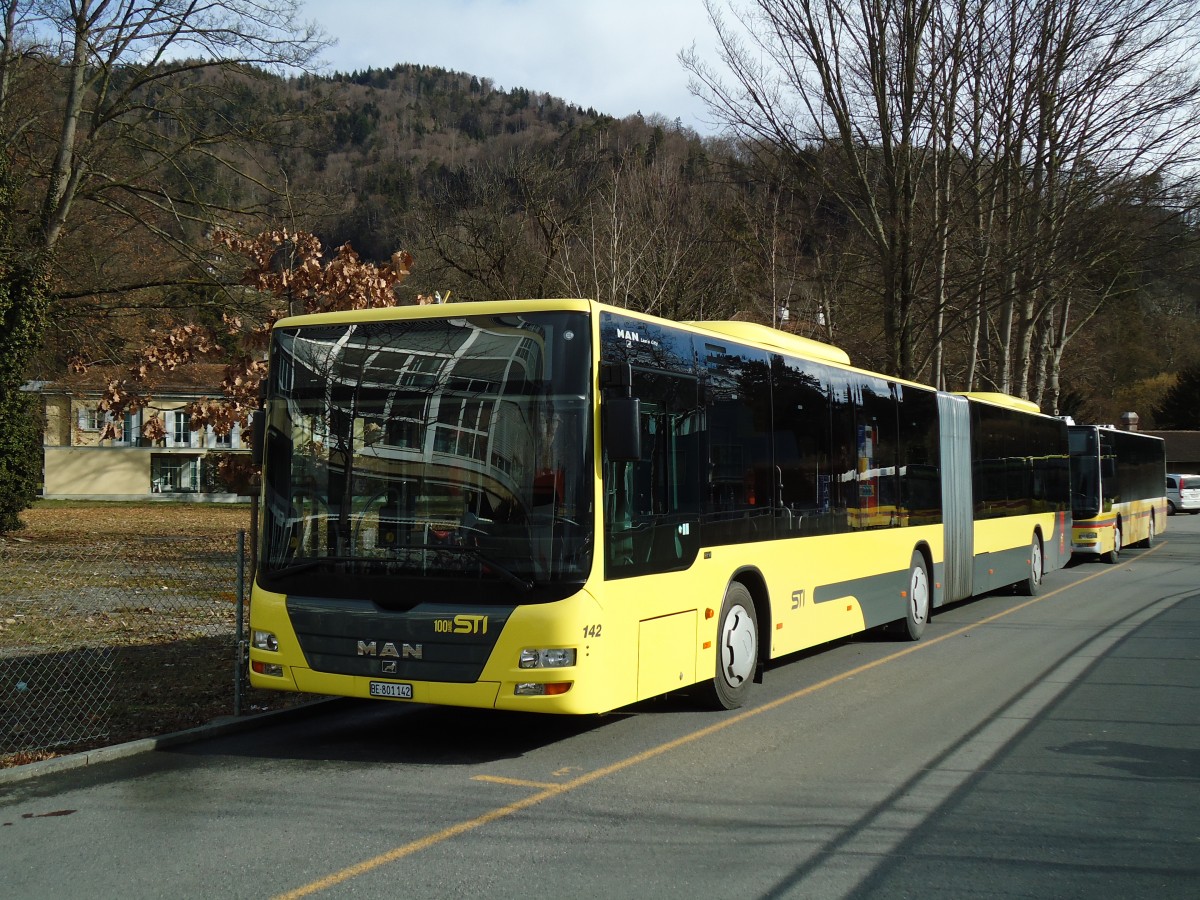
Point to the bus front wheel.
(737, 649)
(1115, 553)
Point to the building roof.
(1183, 450)
(193, 378)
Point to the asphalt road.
(1025, 748)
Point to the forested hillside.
(504, 192)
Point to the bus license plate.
(387, 689)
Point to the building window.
(463, 429)
(174, 474)
(183, 428)
(90, 420)
(131, 430)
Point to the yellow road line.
(515, 782)
(546, 792)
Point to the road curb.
(218, 727)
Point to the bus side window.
(651, 504)
(742, 480)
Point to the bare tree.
(1116, 107)
(125, 109)
(492, 227)
(144, 84)
(975, 139)
(131, 123)
(820, 73)
(616, 218)
(645, 240)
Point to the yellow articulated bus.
(1118, 490)
(565, 507)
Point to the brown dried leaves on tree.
(288, 269)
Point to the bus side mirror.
(258, 436)
(258, 426)
(623, 429)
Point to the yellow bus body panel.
(640, 637)
(605, 667)
(1097, 536)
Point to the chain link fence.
(107, 642)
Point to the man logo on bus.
(406, 651)
(632, 337)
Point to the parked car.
(1183, 494)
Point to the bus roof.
(747, 332)
(765, 335)
(435, 311)
(998, 399)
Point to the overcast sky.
(619, 56)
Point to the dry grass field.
(148, 587)
(69, 521)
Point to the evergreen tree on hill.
(1180, 407)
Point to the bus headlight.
(547, 659)
(265, 640)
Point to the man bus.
(567, 507)
(1118, 490)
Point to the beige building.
(78, 465)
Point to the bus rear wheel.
(1148, 540)
(737, 649)
(1031, 585)
(918, 600)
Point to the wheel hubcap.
(919, 595)
(1037, 562)
(738, 642)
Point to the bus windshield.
(401, 453)
(1085, 473)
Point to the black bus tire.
(1115, 553)
(1031, 584)
(1151, 534)
(737, 649)
(918, 600)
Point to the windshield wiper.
(506, 575)
(313, 562)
